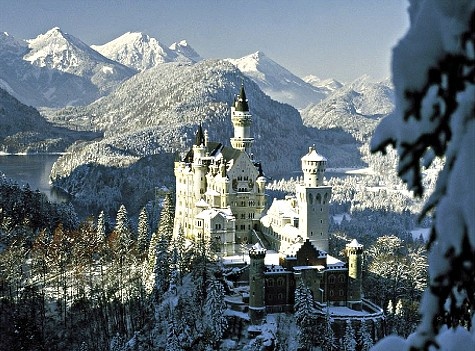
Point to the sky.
(340, 39)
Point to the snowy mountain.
(140, 51)
(277, 82)
(328, 85)
(55, 69)
(183, 49)
(63, 52)
(355, 107)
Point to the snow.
(436, 30)
(277, 82)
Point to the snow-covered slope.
(328, 85)
(140, 51)
(56, 69)
(23, 129)
(277, 82)
(63, 52)
(39, 86)
(355, 107)
(185, 52)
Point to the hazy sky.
(341, 39)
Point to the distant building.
(220, 197)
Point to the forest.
(124, 283)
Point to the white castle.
(220, 194)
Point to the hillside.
(356, 107)
(23, 129)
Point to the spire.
(241, 101)
(200, 137)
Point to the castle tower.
(261, 190)
(242, 121)
(257, 307)
(199, 169)
(354, 253)
(313, 200)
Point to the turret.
(313, 200)
(242, 121)
(257, 307)
(354, 253)
(199, 169)
(313, 167)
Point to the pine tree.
(123, 229)
(305, 316)
(366, 341)
(101, 228)
(214, 311)
(434, 118)
(349, 340)
(328, 342)
(143, 232)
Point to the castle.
(220, 197)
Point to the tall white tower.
(242, 121)
(313, 200)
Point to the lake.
(33, 170)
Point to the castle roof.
(241, 103)
(200, 137)
(354, 243)
(312, 155)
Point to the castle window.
(280, 282)
(341, 292)
(332, 293)
(243, 227)
(280, 296)
(331, 279)
(341, 278)
(270, 282)
(218, 226)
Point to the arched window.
(310, 199)
(331, 279)
(319, 198)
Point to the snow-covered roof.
(354, 243)
(212, 212)
(201, 203)
(312, 155)
(335, 263)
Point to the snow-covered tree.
(433, 75)
(349, 339)
(143, 231)
(365, 340)
(215, 320)
(305, 316)
(101, 228)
